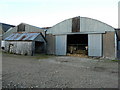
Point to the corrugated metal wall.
(109, 44)
(86, 25)
(50, 44)
(61, 45)
(92, 25)
(30, 28)
(95, 44)
(19, 47)
(61, 28)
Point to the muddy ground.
(58, 72)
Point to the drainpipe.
(46, 42)
(45, 33)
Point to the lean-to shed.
(25, 43)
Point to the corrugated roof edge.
(6, 39)
(7, 24)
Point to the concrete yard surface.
(58, 72)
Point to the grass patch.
(43, 56)
(115, 60)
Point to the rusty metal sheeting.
(22, 36)
(76, 24)
(109, 45)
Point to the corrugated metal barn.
(82, 34)
(25, 43)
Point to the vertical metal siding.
(19, 47)
(61, 44)
(50, 44)
(95, 44)
(61, 28)
(30, 28)
(92, 25)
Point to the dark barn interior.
(39, 47)
(77, 44)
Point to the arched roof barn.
(79, 32)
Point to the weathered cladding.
(19, 47)
(61, 45)
(109, 44)
(61, 28)
(50, 44)
(30, 28)
(92, 25)
(95, 44)
(76, 24)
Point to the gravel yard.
(58, 72)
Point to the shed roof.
(5, 27)
(22, 36)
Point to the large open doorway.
(77, 44)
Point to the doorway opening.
(77, 44)
(39, 47)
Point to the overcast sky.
(46, 13)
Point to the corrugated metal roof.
(22, 36)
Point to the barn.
(82, 34)
(25, 43)
(24, 39)
(23, 27)
(77, 35)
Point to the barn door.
(95, 45)
(61, 44)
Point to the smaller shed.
(25, 43)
